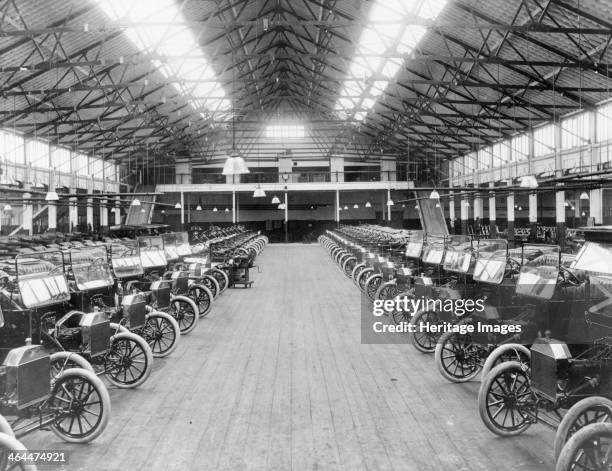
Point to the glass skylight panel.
(153, 32)
(285, 132)
(391, 32)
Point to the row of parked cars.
(72, 313)
(545, 355)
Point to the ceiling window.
(378, 58)
(153, 32)
(519, 147)
(604, 122)
(37, 153)
(12, 147)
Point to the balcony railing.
(302, 176)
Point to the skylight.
(183, 60)
(387, 35)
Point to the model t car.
(565, 368)
(124, 359)
(94, 288)
(39, 389)
(160, 294)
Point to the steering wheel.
(569, 276)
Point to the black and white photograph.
(305, 235)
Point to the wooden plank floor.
(276, 378)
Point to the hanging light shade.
(259, 193)
(566, 204)
(177, 206)
(520, 208)
(416, 206)
(282, 206)
(390, 202)
(368, 204)
(584, 195)
(198, 208)
(227, 210)
(163, 211)
(235, 164)
(8, 207)
(345, 208)
(275, 200)
(52, 196)
(438, 205)
(403, 206)
(355, 206)
(215, 209)
(142, 210)
(529, 181)
(583, 214)
(434, 195)
(135, 202)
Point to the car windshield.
(176, 245)
(414, 246)
(539, 271)
(90, 267)
(126, 260)
(433, 251)
(41, 279)
(491, 261)
(458, 257)
(594, 257)
(151, 249)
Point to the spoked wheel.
(185, 311)
(363, 278)
(591, 410)
(202, 297)
(420, 337)
(161, 332)
(505, 399)
(357, 271)
(372, 285)
(386, 291)
(129, 361)
(61, 361)
(457, 357)
(9, 444)
(210, 282)
(588, 449)
(82, 406)
(349, 265)
(221, 278)
(506, 352)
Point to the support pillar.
(510, 218)
(451, 213)
(337, 208)
(533, 216)
(103, 217)
(73, 214)
(388, 205)
(560, 217)
(465, 210)
(52, 212)
(182, 210)
(478, 213)
(492, 212)
(117, 211)
(286, 218)
(233, 207)
(28, 213)
(596, 204)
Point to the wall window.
(80, 164)
(470, 163)
(37, 153)
(12, 147)
(575, 131)
(60, 159)
(501, 154)
(544, 140)
(484, 158)
(285, 132)
(519, 148)
(604, 122)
